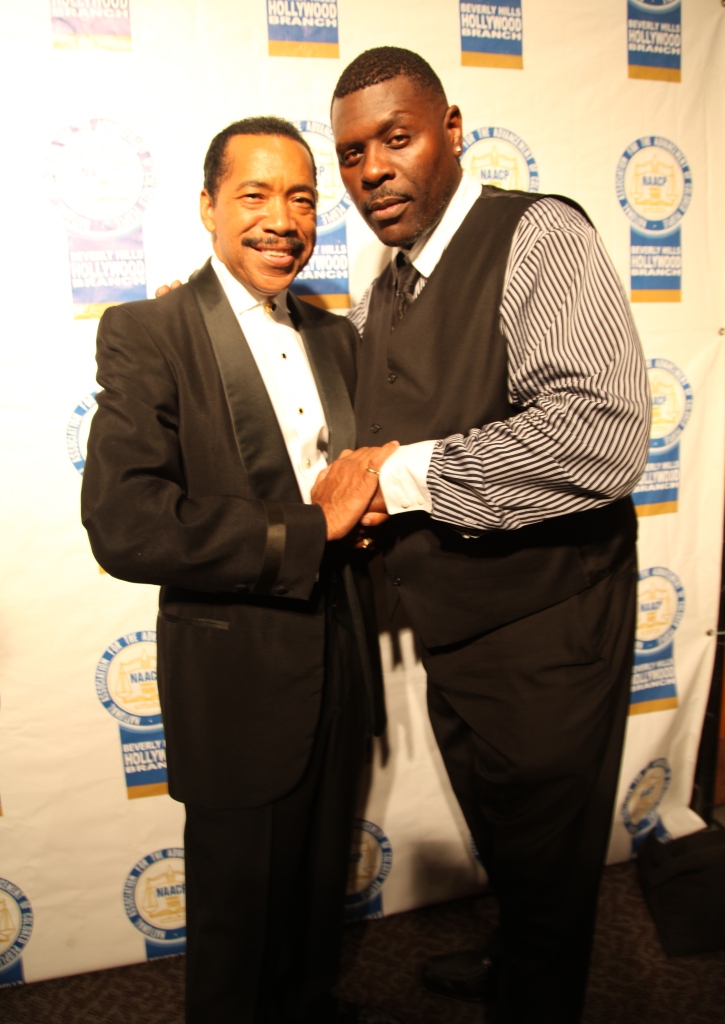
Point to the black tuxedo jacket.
(188, 484)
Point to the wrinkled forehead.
(368, 112)
(252, 156)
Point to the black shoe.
(468, 975)
(354, 1013)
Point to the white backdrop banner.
(113, 103)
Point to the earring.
(458, 150)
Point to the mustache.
(289, 242)
(385, 192)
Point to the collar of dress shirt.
(241, 300)
(428, 250)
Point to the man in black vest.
(498, 348)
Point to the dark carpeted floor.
(632, 979)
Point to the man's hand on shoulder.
(345, 490)
(164, 289)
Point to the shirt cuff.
(403, 478)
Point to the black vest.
(444, 370)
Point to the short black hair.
(216, 166)
(383, 63)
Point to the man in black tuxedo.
(499, 349)
(221, 403)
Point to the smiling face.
(263, 218)
(397, 145)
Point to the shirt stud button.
(392, 377)
(375, 427)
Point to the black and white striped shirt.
(575, 368)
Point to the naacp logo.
(76, 434)
(154, 895)
(639, 810)
(371, 859)
(654, 184)
(16, 922)
(333, 201)
(126, 679)
(101, 178)
(496, 156)
(671, 403)
(655, 5)
(660, 607)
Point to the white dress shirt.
(280, 355)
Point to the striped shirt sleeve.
(577, 375)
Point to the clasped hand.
(348, 490)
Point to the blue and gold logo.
(303, 28)
(660, 607)
(640, 807)
(126, 686)
(16, 925)
(658, 490)
(154, 898)
(101, 180)
(654, 39)
(90, 24)
(76, 433)
(325, 280)
(654, 189)
(496, 156)
(371, 859)
(492, 34)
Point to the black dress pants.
(265, 885)
(530, 721)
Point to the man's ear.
(206, 211)
(453, 127)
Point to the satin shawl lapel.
(259, 438)
(320, 348)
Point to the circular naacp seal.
(371, 859)
(496, 156)
(154, 895)
(671, 403)
(126, 679)
(333, 202)
(639, 810)
(101, 178)
(660, 607)
(16, 922)
(652, 6)
(76, 434)
(654, 184)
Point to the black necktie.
(406, 278)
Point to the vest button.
(397, 581)
(392, 377)
(281, 591)
(375, 427)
